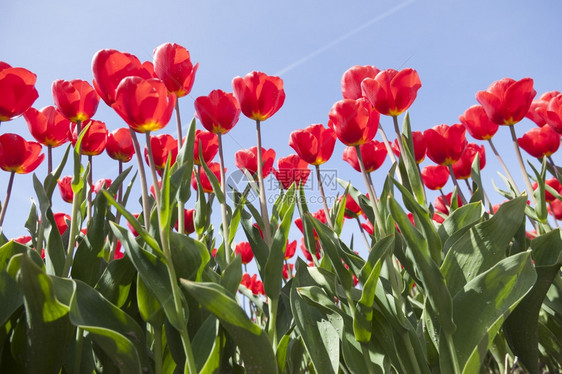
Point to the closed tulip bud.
(463, 167)
(248, 159)
(313, 144)
(392, 92)
(188, 221)
(172, 64)
(209, 144)
(48, 126)
(94, 139)
(445, 144)
(373, 153)
(119, 145)
(245, 251)
(435, 177)
(65, 188)
(18, 155)
(218, 112)
(540, 141)
(354, 121)
(17, 91)
(260, 95)
(76, 99)
(478, 124)
(162, 146)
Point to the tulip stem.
(504, 167)
(90, 186)
(145, 206)
(387, 145)
(456, 183)
(117, 215)
(399, 138)
(468, 186)
(49, 159)
(225, 228)
(554, 167)
(323, 195)
(263, 201)
(181, 218)
(7, 199)
(164, 238)
(372, 195)
(178, 125)
(363, 233)
(522, 164)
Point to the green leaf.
(46, 317)
(115, 282)
(213, 179)
(207, 345)
(10, 295)
(483, 245)
(521, 327)
(252, 341)
(458, 222)
(189, 256)
(483, 304)
(478, 187)
(539, 193)
(414, 177)
(185, 157)
(150, 309)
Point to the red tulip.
(368, 226)
(291, 266)
(17, 91)
(352, 209)
(131, 228)
(103, 183)
(172, 65)
(218, 112)
(540, 141)
(48, 126)
(319, 215)
(24, 239)
(18, 155)
(392, 92)
(313, 144)
(537, 110)
(435, 177)
(290, 249)
(260, 95)
(555, 209)
(307, 253)
(253, 284)
(94, 140)
(442, 205)
(354, 121)
(162, 146)
(555, 184)
(420, 146)
(209, 146)
(478, 124)
(291, 169)
(119, 145)
(248, 159)
(61, 220)
(110, 67)
(188, 221)
(445, 144)
(76, 99)
(144, 104)
(463, 167)
(245, 251)
(373, 153)
(65, 188)
(553, 115)
(205, 183)
(507, 101)
(352, 78)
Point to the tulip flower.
(131, 228)
(507, 101)
(555, 209)
(352, 78)
(420, 146)
(260, 95)
(172, 64)
(553, 115)
(291, 169)
(306, 252)
(103, 183)
(373, 152)
(205, 183)
(94, 140)
(352, 209)
(392, 92)
(119, 145)
(18, 155)
(313, 144)
(290, 249)
(48, 126)
(537, 110)
(188, 221)
(65, 188)
(162, 146)
(110, 67)
(478, 124)
(76, 99)
(245, 251)
(17, 91)
(445, 144)
(540, 141)
(61, 220)
(253, 284)
(556, 186)
(209, 143)
(288, 268)
(354, 121)
(248, 159)
(442, 204)
(319, 215)
(144, 104)
(218, 112)
(435, 176)
(463, 167)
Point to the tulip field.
(168, 268)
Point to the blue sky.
(458, 48)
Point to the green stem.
(452, 352)
(363, 233)
(7, 199)
(387, 144)
(74, 229)
(158, 363)
(181, 217)
(522, 165)
(49, 159)
(399, 137)
(504, 167)
(323, 195)
(178, 125)
(372, 195)
(78, 349)
(456, 183)
(263, 201)
(117, 215)
(225, 227)
(142, 174)
(272, 328)
(554, 167)
(164, 237)
(90, 185)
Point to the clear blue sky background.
(457, 47)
